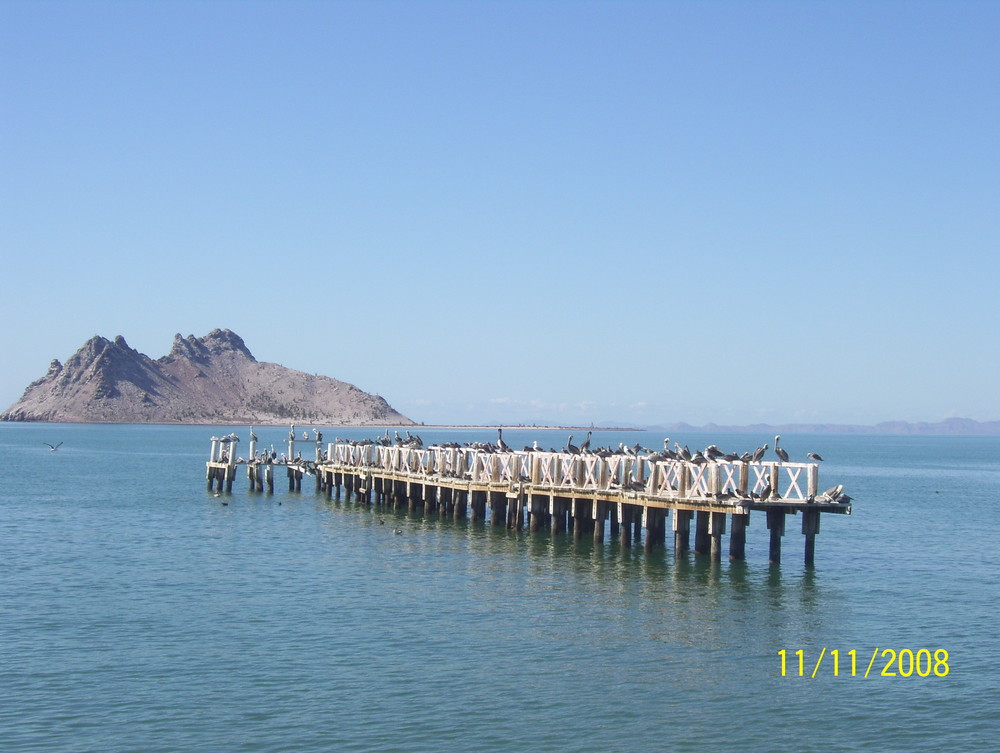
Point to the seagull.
(53, 447)
(813, 456)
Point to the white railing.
(663, 479)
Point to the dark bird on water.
(53, 447)
(780, 451)
(813, 456)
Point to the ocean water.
(140, 613)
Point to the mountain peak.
(211, 379)
(216, 342)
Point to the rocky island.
(203, 380)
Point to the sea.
(140, 612)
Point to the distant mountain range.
(212, 379)
(948, 426)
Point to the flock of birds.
(698, 457)
(678, 453)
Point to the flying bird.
(53, 447)
(813, 456)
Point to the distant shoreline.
(948, 427)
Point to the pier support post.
(716, 527)
(558, 515)
(536, 515)
(810, 527)
(600, 512)
(776, 525)
(738, 536)
(682, 531)
(625, 513)
(498, 508)
(579, 517)
(701, 537)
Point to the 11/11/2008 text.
(902, 663)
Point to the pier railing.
(669, 480)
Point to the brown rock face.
(210, 379)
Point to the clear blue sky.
(635, 212)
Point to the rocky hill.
(212, 379)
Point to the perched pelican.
(813, 456)
(501, 445)
(766, 491)
(571, 448)
(780, 451)
(585, 445)
(758, 453)
(53, 447)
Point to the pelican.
(813, 456)
(571, 448)
(780, 451)
(585, 445)
(53, 447)
(758, 453)
(500, 443)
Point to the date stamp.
(887, 662)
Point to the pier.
(630, 496)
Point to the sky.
(518, 212)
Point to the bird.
(780, 451)
(758, 453)
(813, 456)
(766, 491)
(504, 447)
(571, 448)
(397, 530)
(53, 447)
(833, 492)
(585, 445)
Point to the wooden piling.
(738, 536)
(810, 527)
(682, 531)
(701, 537)
(716, 527)
(625, 513)
(776, 525)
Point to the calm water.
(138, 613)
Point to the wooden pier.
(626, 496)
